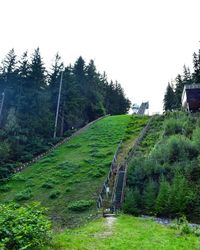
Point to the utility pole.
(58, 104)
(1, 107)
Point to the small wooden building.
(191, 98)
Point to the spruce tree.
(169, 99)
(162, 200)
(149, 197)
(178, 91)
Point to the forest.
(28, 103)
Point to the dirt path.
(108, 226)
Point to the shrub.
(76, 145)
(5, 188)
(176, 148)
(23, 195)
(196, 138)
(54, 194)
(173, 126)
(68, 189)
(47, 185)
(18, 177)
(80, 205)
(23, 227)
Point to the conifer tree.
(149, 197)
(178, 90)
(169, 99)
(162, 200)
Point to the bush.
(5, 188)
(23, 227)
(173, 126)
(23, 195)
(54, 194)
(80, 205)
(196, 138)
(47, 185)
(176, 148)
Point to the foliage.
(167, 176)
(169, 99)
(23, 195)
(23, 227)
(31, 93)
(54, 194)
(72, 171)
(80, 205)
(133, 202)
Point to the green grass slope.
(125, 233)
(68, 180)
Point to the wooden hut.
(191, 98)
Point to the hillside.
(123, 233)
(68, 180)
(163, 177)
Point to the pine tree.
(162, 200)
(178, 90)
(169, 99)
(133, 202)
(187, 78)
(149, 197)
(179, 195)
(196, 66)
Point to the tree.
(133, 202)
(169, 99)
(149, 197)
(162, 200)
(179, 195)
(196, 66)
(178, 90)
(187, 78)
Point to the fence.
(110, 173)
(124, 166)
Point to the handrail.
(130, 154)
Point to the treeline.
(172, 98)
(29, 100)
(166, 180)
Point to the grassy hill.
(124, 233)
(68, 180)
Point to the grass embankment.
(75, 171)
(127, 232)
(68, 180)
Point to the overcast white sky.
(141, 43)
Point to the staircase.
(119, 190)
(142, 108)
(116, 179)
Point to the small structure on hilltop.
(135, 108)
(191, 98)
(140, 110)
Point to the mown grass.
(126, 233)
(74, 171)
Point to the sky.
(143, 44)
